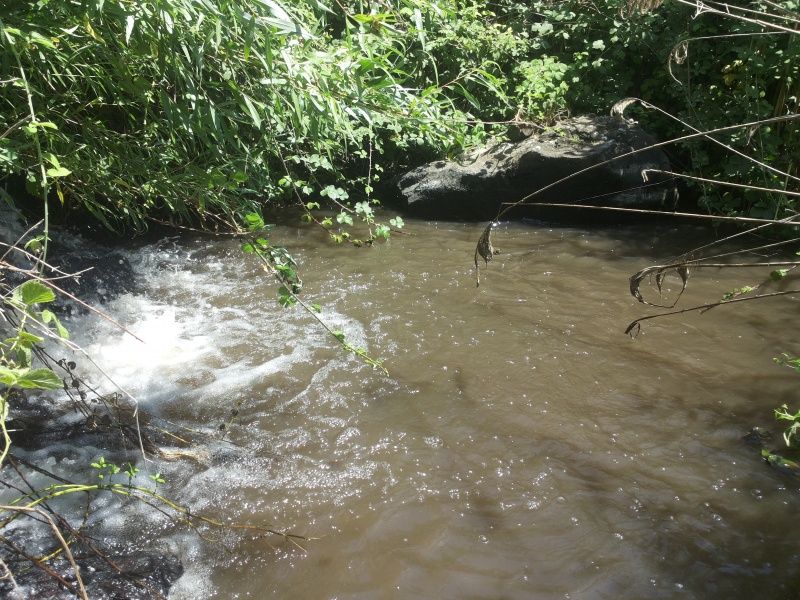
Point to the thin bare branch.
(718, 182)
(649, 106)
(635, 325)
(61, 539)
(642, 211)
(7, 575)
(682, 269)
(726, 10)
(18, 123)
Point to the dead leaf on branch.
(657, 275)
(485, 250)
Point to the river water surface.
(522, 446)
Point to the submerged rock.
(758, 436)
(138, 576)
(476, 187)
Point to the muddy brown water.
(522, 447)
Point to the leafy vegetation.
(184, 108)
(180, 108)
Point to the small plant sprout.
(105, 468)
(131, 473)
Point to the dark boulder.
(476, 187)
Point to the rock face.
(476, 187)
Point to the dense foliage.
(188, 106)
(707, 69)
(183, 107)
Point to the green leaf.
(287, 271)
(396, 222)
(248, 248)
(286, 298)
(251, 109)
(43, 379)
(48, 316)
(29, 337)
(58, 172)
(254, 221)
(343, 217)
(33, 292)
(45, 124)
(9, 376)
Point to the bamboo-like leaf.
(252, 111)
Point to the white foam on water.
(209, 336)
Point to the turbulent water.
(522, 446)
